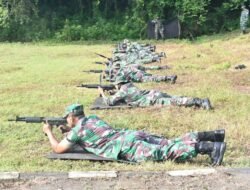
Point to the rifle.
(102, 63)
(103, 56)
(93, 71)
(97, 71)
(99, 63)
(57, 121)
(104, 87)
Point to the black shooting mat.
(100, 104)
(77, 153)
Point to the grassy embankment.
(40, 80)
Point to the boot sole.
(222, 151)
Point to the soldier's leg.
(139, 150)
(192, 144)
(185, 101)
(162, 32)
(156, 33)
(143, 61)
(151, 139)
(155, 78)
(156, 67)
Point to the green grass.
(40, 79)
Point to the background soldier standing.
(159, 28)
(244, 19)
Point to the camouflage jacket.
(132, 95)
(130, 73)
(96, 136)
(244, 16)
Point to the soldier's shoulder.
(92, 117)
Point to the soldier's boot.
(163, 54)
(214, 136)
(215, 150)
(171, 79)
(203, 103)
(152, 48)
(164, 67)
(156, 59)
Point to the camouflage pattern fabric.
(127, 46)
(137, 56)
(159, 29)
(244, 19)
(133, 72)
(133, 96)
(136, 75)
(98, 137)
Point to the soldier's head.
(243, 6)
(119, 82)
(73, 113)
(125, 41)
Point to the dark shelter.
(172, 29)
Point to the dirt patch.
(240, 80)
(137, 180)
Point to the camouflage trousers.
(174, 100)
(151, 78)
(140, 146)
(141, 61)
(159, 30)
(243, 25)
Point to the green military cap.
(76, 109)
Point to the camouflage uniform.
(159, 28)
(244, 19)
(96, 136)
(134, 72)
(136, 75)
(135, 56)
(132, 95)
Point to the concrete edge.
(182, 173)
(9, 175)
(93, 174)
(115, 174)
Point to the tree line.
(64, 20)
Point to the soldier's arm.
(57, 147)
(112, 100)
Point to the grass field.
(40, 79)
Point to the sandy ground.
(236, 179)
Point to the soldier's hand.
(64, 129)
(100, 90)
(47, 128)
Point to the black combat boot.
(215, 150)
(163, 54)
(172, 79)
(203, 103)
(206, 104)
(214, 136)
(156, 59)
(164, 67)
